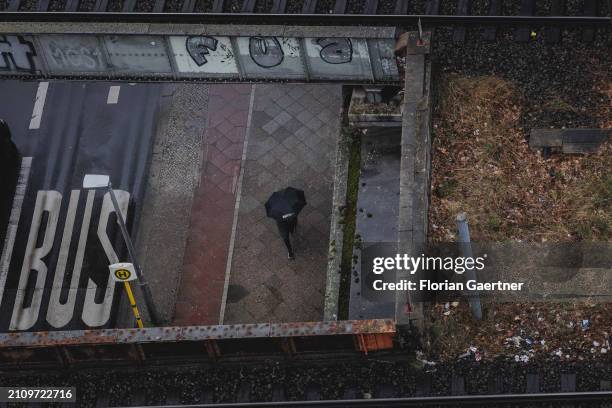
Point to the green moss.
(352, 139)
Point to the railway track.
(489, 14)
(574, 399)
(308, 7)
(331, 381)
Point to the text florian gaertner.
(459, 265)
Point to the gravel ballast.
(331, 380)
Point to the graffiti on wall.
(255, 57)
(200, 47)
(266, 51)
(336, 50)
(67, 54)
(17, 54)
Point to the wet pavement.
(292, 142)
(376, 221)
(54, 267)
(214, 155)
(212, 212)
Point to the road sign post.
(125, 272)
(103, 181)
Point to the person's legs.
(293, 225)
(289, 248)
(284, 229)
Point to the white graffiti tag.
(17, 54)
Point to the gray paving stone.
(263, 178)
(305, 116)
(290, 143)
(281, 135)
(284, 100)
(303, 133)
(271, 126)
(272, 109)
(288, 158)
(282, 118)
(297, 92)
(267, 160)
(295, 108)
(293, 125)
(314, 124)
(293, 154)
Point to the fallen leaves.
(482, 164)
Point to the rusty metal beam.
(194, 333)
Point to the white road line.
(230, 253)
(113, 95)
(39, 105)
(11, 230)
(235, 179)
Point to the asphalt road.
(54, 275)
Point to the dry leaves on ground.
(482, 164)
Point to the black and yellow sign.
(123, 274)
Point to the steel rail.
(456, 400)
(300, 19)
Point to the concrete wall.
(203, 57)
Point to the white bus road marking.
(113, 95)
(39, 105)
(9, 242)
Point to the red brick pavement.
(203, 278)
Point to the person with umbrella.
(284, 206)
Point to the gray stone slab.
(415, 78)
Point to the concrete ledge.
(336, 233)
(414, 177)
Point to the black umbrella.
(285, 203)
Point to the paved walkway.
(174, 177)
(292, 142)
(212, 212)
